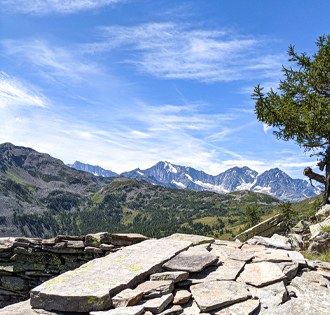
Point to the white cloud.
(55, 63)
(14, 92)
(266, 127)
(243, 162)
(43, 7)
(171, 51)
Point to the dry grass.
(325, 256)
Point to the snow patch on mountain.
(189, 177)
(178, 184)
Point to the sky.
(126, 83)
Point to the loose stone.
(153, 289)
(157, 305)
(132, 310)
(175, 276)
(127, 297)
(181, 297)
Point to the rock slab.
(89, 287)
(215, 294)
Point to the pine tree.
(300, 109)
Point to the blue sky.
(127, 83)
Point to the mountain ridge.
(274, 182)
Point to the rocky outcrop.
(266, 228)
(243, 279)
(27, 262)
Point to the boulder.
(181, 297)
(319, 242)
(225, 253)
(95, 240)
(315, 228)
(268, 242)
(323, 213)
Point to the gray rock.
(271, 256)
(6, 243)
(215, 294)
(192, 260)
(270, 296)
(266, 228)
(131, 310)
(323, 213)
(315, 228)
(260, 274)
(14, 283)
(175, 276)
(265, 241)
(89, 287)
(95, 240)
(290, 269)
(195, 239)
(320, 242)
(127, 239)
(127, 297)
(243, 308)
(157, 305)
(310, 299)
(152, 289)
(75, 244)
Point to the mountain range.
(42, 197)
(273, 182)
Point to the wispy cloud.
(172, 51)
(44, 7)
(55, 63)
(13, 92)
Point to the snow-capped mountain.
(273, 182)
(95, 170)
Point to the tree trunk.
(327, 178)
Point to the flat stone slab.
(191, 308)
(127, 297)
(131, 310)
(268, 242)
(157, 305)
(153, 289)
(254, 248)
(127, 239)
(192, 260)
(225, 253)
(260, 274)
(270, 296)
(228, 270)
(243, 308)
(89, 287)
(175, 276)
(271, 256)
(215, 294)
(195, 239)
(310, 299)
